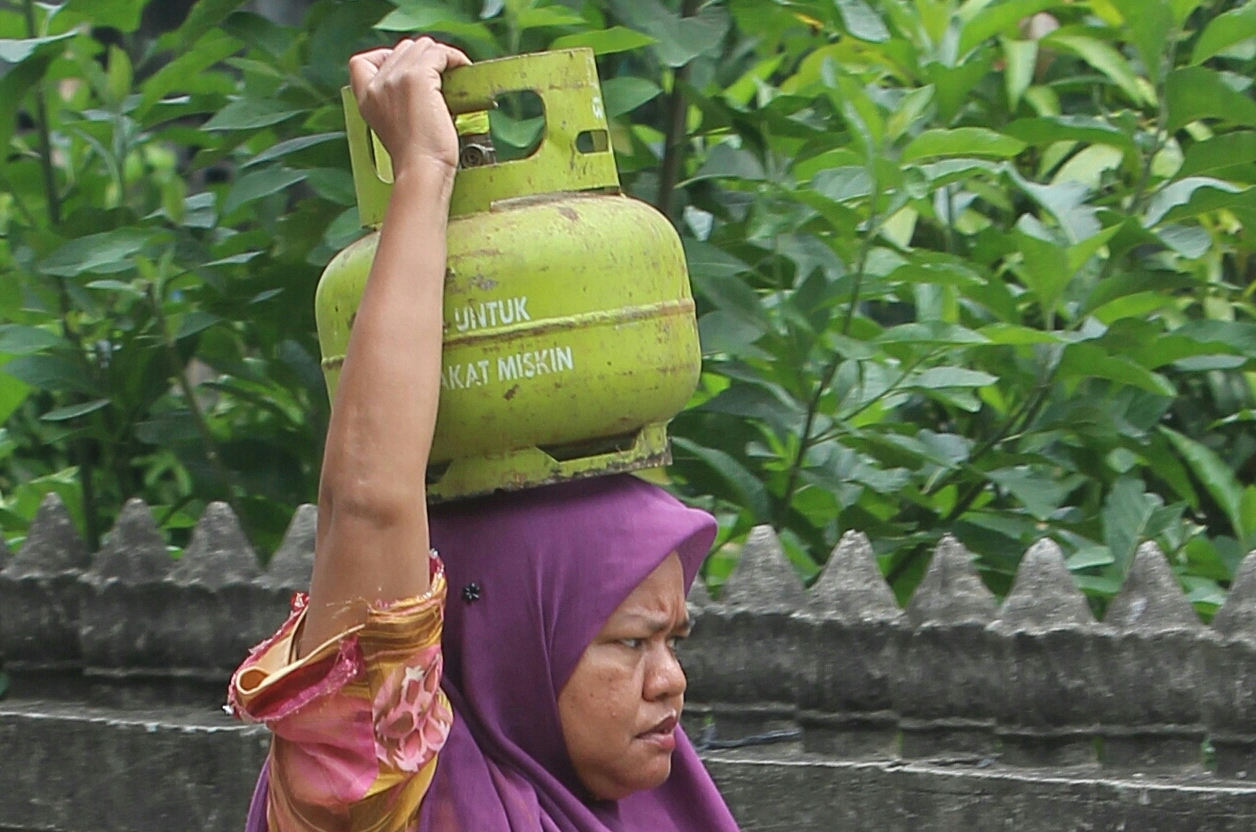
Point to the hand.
(398, 93)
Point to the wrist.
(425, 174)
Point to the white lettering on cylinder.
(491, 313)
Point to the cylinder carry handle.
(566, 82)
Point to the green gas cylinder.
(569, 331)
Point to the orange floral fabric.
(357, 723)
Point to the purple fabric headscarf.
(551, 565)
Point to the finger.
(364, 66)
(435, 56)
(403, 47)
(448, 57)
(420, 59)
(455, 58)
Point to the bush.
(974, 268)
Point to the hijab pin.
(471, 592)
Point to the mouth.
(663, 734)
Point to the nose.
(665, 678)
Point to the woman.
(550, 702)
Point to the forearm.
(372, 536)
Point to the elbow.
(376, 505)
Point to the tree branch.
(674, 143)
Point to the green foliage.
(976, 268)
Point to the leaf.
(756, 401)
(19, 339)
(678, 40)
(194, 322)
(202, 17)
(1016, 335)
(1103, 57)
(106, 252)
(50, 372)
(1067, 203)
(998, 19)
(1089, 557)
(341, 231)
(123, 15)
(537, 17)
(844, 184)
(1071, 128)
(1193, 93)
(13, 393)
(250, 114)
(626, 93)
(1148, 25)
(936, 378)
(1192, 196)
(1222, 151)
(1040, 491)
(258, 184)
(930, 332)
(722, 331)
(281, 149)
(62, 414)
(861, 21)
(1044, 269)
(1127, 511)
(709, 261)
(1213, 474)
(18, 80)
(420, 16)
(1089, 165)
(742, 483)
(115, 286)
(726, 161)
(518, 133)
(14, 51)
(1021, 59)
(1090, 361)
(438, 19)
(1190, 241)
(209, 51)
(962, 141)
(604, 41)
(1225, 30)
(332, 184)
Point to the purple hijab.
(551, 565)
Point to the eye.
(632, 643)
(674, 642)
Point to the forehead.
(662, 591)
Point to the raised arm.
(372, 537)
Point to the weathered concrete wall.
(818, 709)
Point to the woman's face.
(620, 708)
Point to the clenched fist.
(398, 93)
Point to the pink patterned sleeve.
(358, 721)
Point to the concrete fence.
(820, 708)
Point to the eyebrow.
(657, 624)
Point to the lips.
(664, 728)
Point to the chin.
(648, 775)
(652, 774)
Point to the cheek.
(604, 697)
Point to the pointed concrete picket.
(849, 629)
(40, 592)
(943, 685)
(1228, 681)
(1153, 663)
(1050, 672)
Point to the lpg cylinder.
(570, 338)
